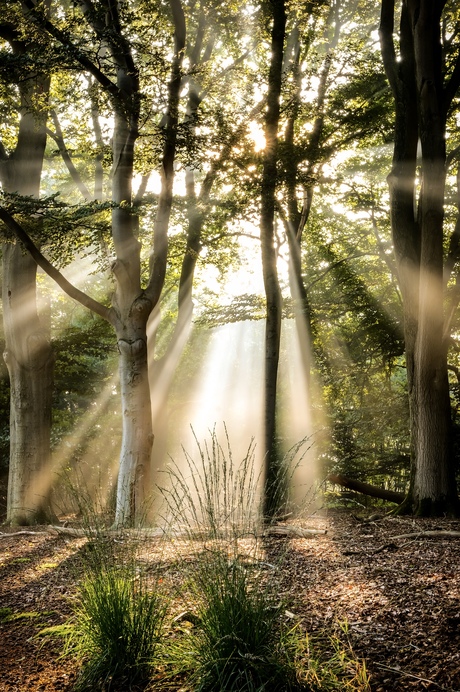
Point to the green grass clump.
(239, 643)
(117, 628)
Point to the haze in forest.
(252, 215)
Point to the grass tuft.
(240, 643)
(117, 629)
(213, 497)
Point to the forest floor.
(399, 594)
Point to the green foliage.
(241, 643)
(117, 629)
(63, 229)
(356, 307)
(5, 614)
(85, 359)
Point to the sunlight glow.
(256, 134)
(96, 471)
(229, 387)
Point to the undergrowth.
(117, 630)
(235, 634)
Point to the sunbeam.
(229, 387)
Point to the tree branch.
(71, 290)
(387, 44)
(159, 255)
(74, 174)
(78, 54)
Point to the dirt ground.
(399, 593)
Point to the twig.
(24, 533)
(416, 677)
(389, 546)
(430, 534)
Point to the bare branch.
(71, 290)
(57, 136)
(387, 44)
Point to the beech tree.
(424, 76)
(97, 41)
(114, 68)
(28, 353)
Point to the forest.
(230, 288)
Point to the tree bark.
(269, 260)
(134, 477)
(433, 490)
(30, 361)
(28, 353)
(417, 84)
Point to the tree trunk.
(434, 488)
(273, 472)
(133, 486)
(132, 309)
(132, 305)
(28, 352)
(417, 84)
(30, 361)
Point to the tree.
(310, 131)
(116, 71)
(100, 47)
(424, 79)
(28, 352)
(270, 274)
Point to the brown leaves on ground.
(400, 597)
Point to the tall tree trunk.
(417, 84)
(132, 311)
(30, 361)
(273, 472)
(434, 488)
(132, 305)
(28, 352)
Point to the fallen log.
(23, 533)
(295, 531)
(429, 534)
(366, 488)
